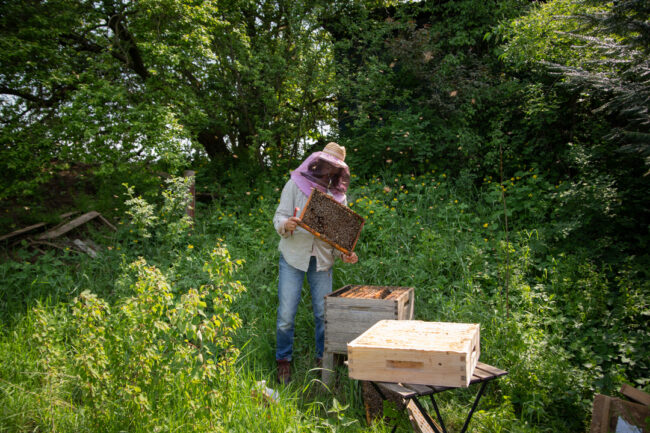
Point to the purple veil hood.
(302, 176)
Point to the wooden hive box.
(329, 220)
(352, 309)
(417, 352)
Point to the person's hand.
(350, 258)
(291, 224)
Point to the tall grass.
(428, 232)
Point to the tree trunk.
(213, 142)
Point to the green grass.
(549, 328)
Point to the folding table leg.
(426, 416)
(381, 394)
(471, 412)
(435, 407)
(383, 397)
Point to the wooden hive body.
(329, 220)
(417, 352)
(352, 309)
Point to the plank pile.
(612, 414)
(68, 233)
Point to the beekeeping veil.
(324, 171)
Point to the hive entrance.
(331, 221)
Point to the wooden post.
(191, 206)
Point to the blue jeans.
(289, 289)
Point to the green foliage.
(599, 49)
(25, 282)
(149, 352)
(433, 100)
(156, 81)
(447, 241)
(170, 221)
(415, 84)
(433, 232)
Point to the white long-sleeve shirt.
(298, 248)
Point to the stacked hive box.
(416, 352)
(352, 309)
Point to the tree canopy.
(116, 81)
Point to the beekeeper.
(301, 253)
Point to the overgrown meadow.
(173, 327)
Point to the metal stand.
(421, 419)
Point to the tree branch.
(58, 93)
(82, 43)
(134, 59)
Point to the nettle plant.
(150, 345)
(169, 220)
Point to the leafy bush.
(169, 221)
(147, 353)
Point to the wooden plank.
(418, 421)
(33, 227)
(338, 292)
(496, 372)
(405, 304)
(68, 214)
(49, 244)
(341, 336)
(419, 389)
(632, 413)
(337, 317)
(600, 414)
(340, 340)
(608, 412)
(345, 337)
(481, 376)
(51, 234)
(349, 328)
(438, 389)
(328, 367)
(105, 221)
(362, 304)
(22, 231)
(339, 347)
(397, 388)
(635, 394)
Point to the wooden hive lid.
(419, 335)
